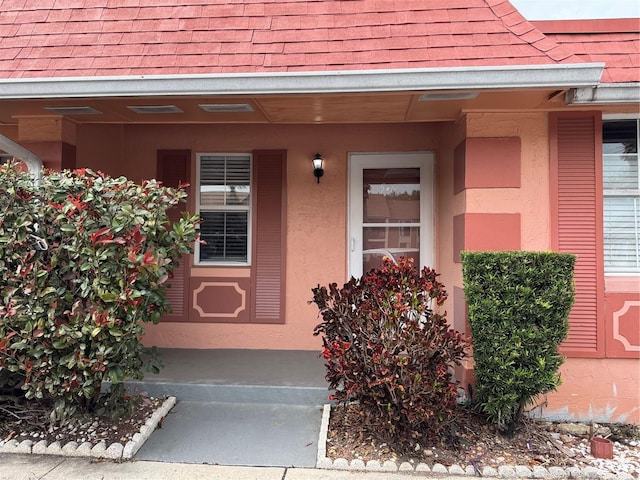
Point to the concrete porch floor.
(241, 367)
(252, 376)
(238, 407)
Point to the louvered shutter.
(173, 168)
(576, 169)
(269, 236)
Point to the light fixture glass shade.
(318, 162)
(318, 167)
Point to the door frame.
(357, 161)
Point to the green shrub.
(519, 303)
(387, 349)
(84, 260)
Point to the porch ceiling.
(297, 108)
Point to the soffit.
(302, 108)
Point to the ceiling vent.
(144, 109)
(434, 97)
(73, 110)
(226, 107)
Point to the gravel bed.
(541, 450)
(87, 436)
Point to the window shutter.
(173, 168)
(269, 236)
(576, 199)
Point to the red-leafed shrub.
(84, 263)
(388, 348)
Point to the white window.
(621, 180)
(224, 203)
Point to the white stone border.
(115, 451)
(504, 471)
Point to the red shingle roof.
(616, 42)
(55, 38)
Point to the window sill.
(622, 282)
(221, 264)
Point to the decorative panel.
(487, 162)
(622, 313)
(485, 232)
(218, 299)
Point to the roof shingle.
(616, 43)
(51, 38)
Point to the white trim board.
(572, 75)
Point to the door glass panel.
(391, 195)
(391, 209)
(390, 242)
(390, 215)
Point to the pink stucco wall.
(316, 213)
(531, 200)
(448, 206)
(601, 389)
(596, 389)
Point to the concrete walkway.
(40, 467)
(238, 407)
(267, 435)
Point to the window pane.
(225, 234)
(225, 180)
(620, 172)
(622, 234)
(391, 242)
(621, 196)
(391, 195)
(620, 136)
(212, 170)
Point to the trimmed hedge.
(519, 303)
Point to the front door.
(390, 209)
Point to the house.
(442, 126)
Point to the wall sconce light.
(318, 166)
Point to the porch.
(238, 407)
